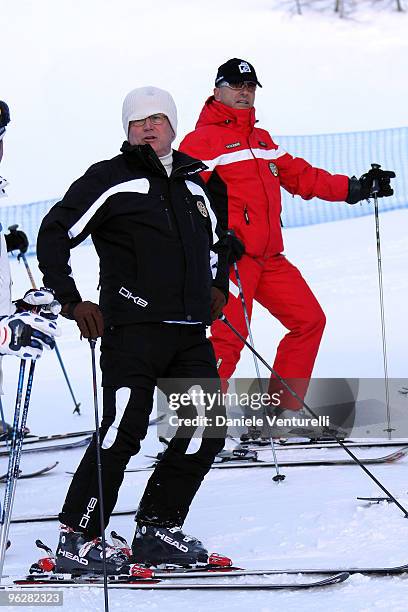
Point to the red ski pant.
(277, 285)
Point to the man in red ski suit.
(246, 170)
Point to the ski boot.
(6, 431)
(253, 434)
(237, 454)
(233, 451)
(77, 555)
(294, 423)
(170, 546)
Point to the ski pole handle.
(376, 185)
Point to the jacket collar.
(216, 113)
(145, 157)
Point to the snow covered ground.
(313, 517)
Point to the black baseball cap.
(236, 71)
(4, 117)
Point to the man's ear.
(217, 94)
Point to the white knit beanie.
(145, 101)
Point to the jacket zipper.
(266, 195)
(166, 210)
(192, 220)
(190, 214)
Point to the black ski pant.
(133, 357)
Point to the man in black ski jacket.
(163, 279)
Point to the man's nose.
(148, 124)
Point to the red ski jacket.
(246, 170)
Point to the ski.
(233, 463)
(51, 447)
(32, 439)
(391, 458)
(181, 573)
(159, 583)
(43, 518)
(376, 500)
(227, 572)
(238, 454)
(162, 578)
(214, 572)
(320, 445)
(40, 472)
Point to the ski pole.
(374, 191)
(244, 307)
(22, 427)
(32, 281)
(314, 415)
(3, 424)
(92, 344)
(278, 477)
(14, 471)
(8, 492)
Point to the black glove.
(236, 247)
(375, 180)
(16, 240)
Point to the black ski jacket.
(152, 233)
